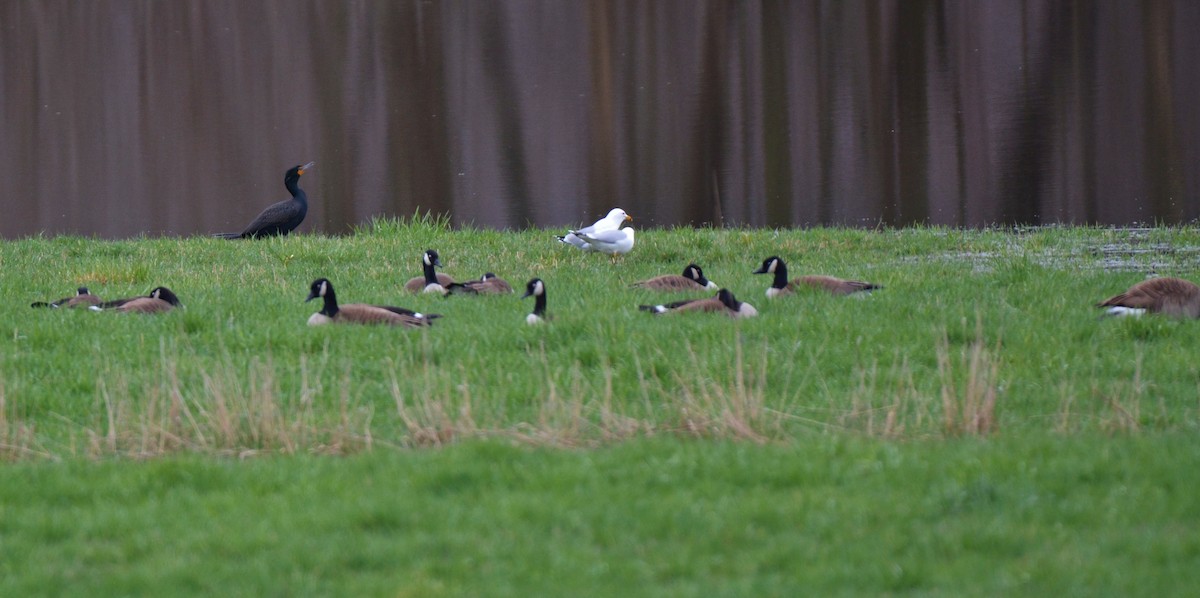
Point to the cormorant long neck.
(292, 182)
(539, 304)
(781, 279)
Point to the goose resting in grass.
(1169, 296)
(431, 281)
(159, 300)
(723, 302)
(692, 280)
(488, 284)
(360, 313)
(81, 298)
(782, 286)
(537, 289)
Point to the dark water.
(123, 117)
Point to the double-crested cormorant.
(279, 218)
(360, 313)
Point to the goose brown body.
(360, 313)
(159, 300)
(692, 279)
(488, 284)
(782, 286)
(430, 281)
(1169, 296)
(81, 298)
(723, 302)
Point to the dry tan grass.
(963, 404)
(969, 397)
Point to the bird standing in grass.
(613, 242)
(279, 218)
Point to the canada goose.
(723, 302)
(782, 286)
(615, 218)
(488, 284)
(360, 313)
(279, 218)
(692, 280)
(613, 242)
(1170, 296)
(537, 289)
(81, 298)
(432, 281)
(159, 300)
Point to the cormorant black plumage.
(279, 218)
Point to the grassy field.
(975, 428)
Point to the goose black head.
(165, 294)
(431, 258)
(534, 288)
(769, 265)
(728, 300)
(693, 272)
(82, 291)
(319, 288)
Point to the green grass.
(972, 429)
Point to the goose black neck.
(330, 308)
(539, 304)
(781, 279)
(430, 274)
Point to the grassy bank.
(972, 428)
(1068, 516)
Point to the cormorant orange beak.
(306, 167)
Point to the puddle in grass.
(1133, 252)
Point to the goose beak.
(311, 296)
